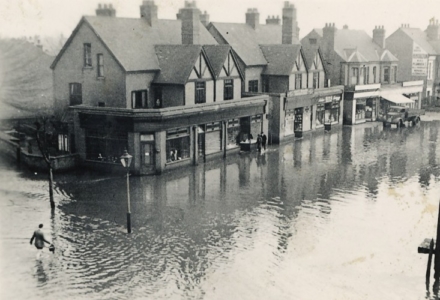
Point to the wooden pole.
(437, 250)
(128, 204)
(52, 202)
(428, 268)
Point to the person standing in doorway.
(263, 140)
(38, 236)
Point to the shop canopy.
(396, 98)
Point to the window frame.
(87, 55)
(134, 99)
(386, 74)
(366, 75)
(228, 89)
(200, 92)
(298, 79)
(75, 94)
(253, 86)
(100, 65)
(316, 80)
(354, 75)
(374, 74)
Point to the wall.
(139, 81)
(401, 46)
(219, 86)
(190, 93)
(278, 84)
(252, 73)
(70, 68)
(209, 91)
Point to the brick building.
(163, 89)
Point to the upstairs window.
(354, 76)
(298, 81)
(366, 75)
(200, 92)
(87, 55)
(374, 74)
(139, 99)
(100, 59)
(228, 92)
(75, 93)
(253, 86)
(316, 80)
(386, 74)
(395, 74)
(312, 41)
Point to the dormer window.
(139, 99)
(298, 81)
(200, 92)
(87, 55)
(316, 80)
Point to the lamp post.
(126, 161)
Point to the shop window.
(354, 76)
(316, 80)
(360, 109)
(63, 142)
(320, 114)
(253, 86)
(200, 92)
(75, 93)
(289, 123)
(178, 144)
(298, 81)
(139, 99)
(105, 144)
(213, 138)
(228, 92)
(87, 55)
(386, 75)
(234, 129)
(100, 59)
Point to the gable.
(317, 62)
(230, 68)
(299, 64)
(200, 69)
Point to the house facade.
(273, 62)
(162, 89)
(363, 65)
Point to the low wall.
(59, 163)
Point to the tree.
(44, 136)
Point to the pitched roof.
(388, 56)
(245, 40)
(280, 58)
(132, 41)
(309, 54)
(436, 46)
(217, 55)
(176, 62)
(420, 38)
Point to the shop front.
(361, 104)
(406, 94)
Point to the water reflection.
(194, 228)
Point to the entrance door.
(201, 143)
(147, 158)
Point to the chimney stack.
(149, 11)
(433, 30)
(328, 36)
(290, 30)
(252, 17)
(105, 11)
(190, 17)
(273, 20)
(379, 36)
(204, 18)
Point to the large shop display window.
(213, 138)
(256, 125)
(298, 123)
(178, 144)
(360, 109)
(332, 112)
(289, 122)
(105, 144)
(233, 138)
(320, 114)
(370, 109)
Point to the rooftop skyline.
(54, 17)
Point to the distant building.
(418, 53)
(364, 66)
(162, 89)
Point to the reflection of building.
(417, 52)
(163, 89)
(363, 65)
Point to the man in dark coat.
(263, 140)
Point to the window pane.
(100, 65)
(87, 55)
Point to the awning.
(396, 98)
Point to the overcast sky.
(53, 17)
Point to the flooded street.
(332, 216)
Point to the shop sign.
(147, 137)
(328, 99)
(299, 92)
(336, 98)
(419, 61)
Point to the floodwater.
(333, 216)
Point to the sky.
(54, 17)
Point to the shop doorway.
(147, 154)
(201, 142)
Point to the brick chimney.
(252, 18)
(273, 20)
(433, 30)
(105, 11)
(190, 17)
(328, 36)
(204, 18)
(379, 36)
(290, 30)
(149, 11)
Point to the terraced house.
(273, 62)
(165, 90)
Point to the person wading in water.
(39, 238)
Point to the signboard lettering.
(419, 61)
